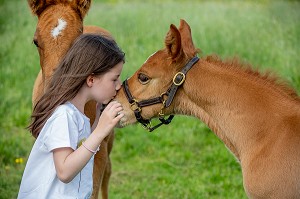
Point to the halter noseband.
(165, 98)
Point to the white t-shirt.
(67, 127)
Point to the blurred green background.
(184, 159)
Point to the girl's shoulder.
(64, 109)
(64, 126)
(64, 117)
(68, 110)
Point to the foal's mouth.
(124, 122)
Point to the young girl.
(60, 164)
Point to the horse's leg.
(38, 88)
(102, 165)
(106, 177)
(102, 168)
(100, 162)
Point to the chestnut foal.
(256, 118)
(60, 22)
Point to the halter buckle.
(179, 76)
(135, 106)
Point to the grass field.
(184, 159)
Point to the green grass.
(184, 159)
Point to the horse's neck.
(239, 108)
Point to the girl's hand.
(109, 118)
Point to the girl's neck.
(78, 105)
(80, 100)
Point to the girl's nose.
(118, 84)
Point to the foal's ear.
(173, 42)
(82, 6)
(38, 6)
(186, 39)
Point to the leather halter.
(165, 98)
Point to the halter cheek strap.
(178, 80)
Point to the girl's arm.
(68, 163)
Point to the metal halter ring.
(147, 126)
(164, 97)
(182, 78)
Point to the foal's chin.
(125, 122)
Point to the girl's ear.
(90, 80)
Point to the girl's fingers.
(110, 105)
(119, 116)
(116, 111)
(113, 108)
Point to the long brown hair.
(89, 54)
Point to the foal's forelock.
(61, 25)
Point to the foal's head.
(156, 74)
(59, 23)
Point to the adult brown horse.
(256, 118)
(59, 23)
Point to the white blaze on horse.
(60, 22)
(59, 28)
(257, 118)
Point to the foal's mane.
(268, 77)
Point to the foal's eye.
(144, 79)
(35, 42)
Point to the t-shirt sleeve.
(61, 131)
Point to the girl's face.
(105, 87)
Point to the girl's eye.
(144, 79)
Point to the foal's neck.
(238, 106)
